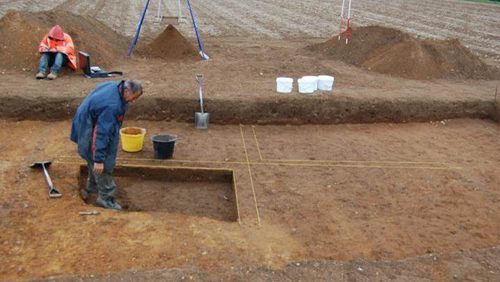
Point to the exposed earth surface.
(391, 176)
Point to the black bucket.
(164, 145)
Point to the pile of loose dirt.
(393, 52)
(170, 45)
(22, 32)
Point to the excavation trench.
(288, 110)
(194, 192)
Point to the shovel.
(201, 119)
(53, 193)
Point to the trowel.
(201, 119)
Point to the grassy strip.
(485, 1)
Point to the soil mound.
(392, 52)
(170, 45)
(22, 32)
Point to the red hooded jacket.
(58, 41)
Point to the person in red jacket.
(57, 50)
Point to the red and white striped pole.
(341, 19)
(348, 23)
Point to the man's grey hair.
(133, 85)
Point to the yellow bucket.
(132, 138)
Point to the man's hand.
(98, 168)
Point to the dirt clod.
(21, 33)
(393, 52)
(170, 45)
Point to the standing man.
(57, 50)
(96, 130)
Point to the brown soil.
(192, 192)
(21, 33)
(170, 45)
(393, 52)
(470, 265)
(240, 87)
(365, 195)
(352, 202)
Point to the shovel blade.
(40, 164)
(201, 120)
(53, 193)
(204, 56)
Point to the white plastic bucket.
(315, 78)
(284, 84)
(325, 82)
(307, 85)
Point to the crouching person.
(57, 50)
(96, 130)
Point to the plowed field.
(476, 25)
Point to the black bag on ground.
(93, 72)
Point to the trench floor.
(313, 192)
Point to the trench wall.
(307, 110)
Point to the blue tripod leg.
(200, 45)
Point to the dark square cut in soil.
(195, 192)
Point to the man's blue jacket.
(97, 122)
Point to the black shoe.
(109, 204)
